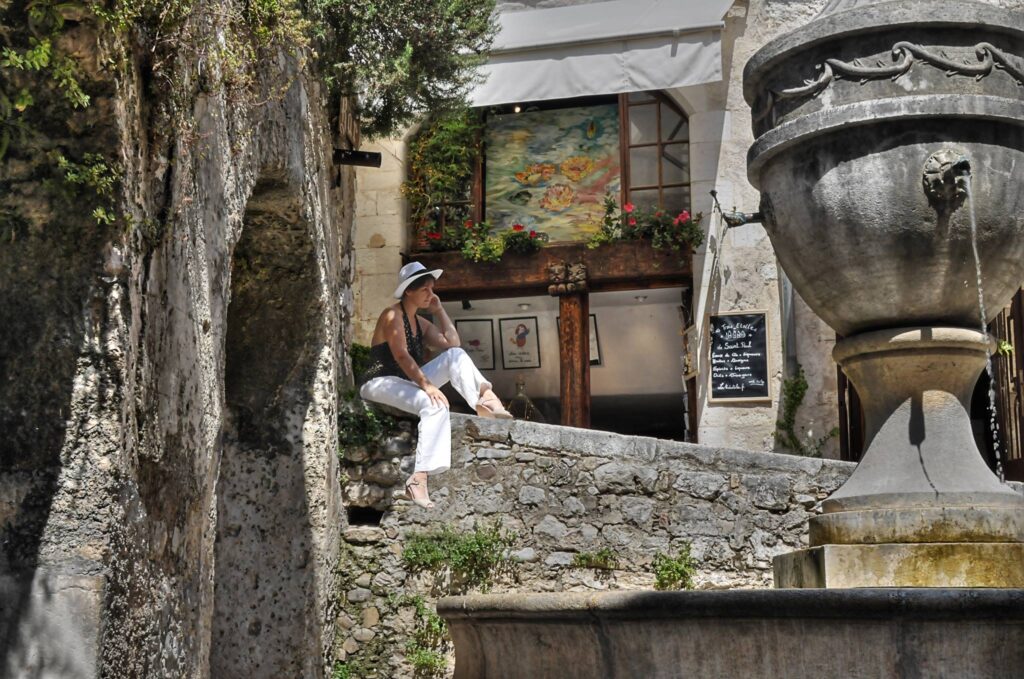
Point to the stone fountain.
(890, 144)
(889, 151)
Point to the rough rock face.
(169, 504)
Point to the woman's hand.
(436, 397)
(434, 304)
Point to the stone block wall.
(566, 491)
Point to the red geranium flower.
(659, 213)
(684, 216)
(468, 223)
(628, 207)
(533, 234)
(433, 235)
(632, 221)
(518, 227)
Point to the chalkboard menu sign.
(739, 357)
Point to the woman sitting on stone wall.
(398, 377)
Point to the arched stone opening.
(264, 620)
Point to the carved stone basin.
(861, 118)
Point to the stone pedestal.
(928, 564)
(922, 509)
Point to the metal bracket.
(735, 218)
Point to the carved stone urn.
(889, 153)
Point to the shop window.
(657, 158)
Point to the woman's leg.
(434, 444)
(455, 366)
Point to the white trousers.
(434, 447)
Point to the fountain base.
(922, 509)
(942, 564)
(977, 633)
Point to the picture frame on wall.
(477, 337)
(520, 345)
(595, 342)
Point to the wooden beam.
(629, 265)
(574, 359)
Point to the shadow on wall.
(264, 598)
(48, 299)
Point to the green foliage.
(441, 159)
(401, 59)
(674, 572)
(98, 177)
(342, 670)
(1004, 348)
(665, 231)
(430, 642)
(477, 244)
(469, 559)
(794, 390)
(603, 559)
(360, 425)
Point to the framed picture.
(595, 343)
(520, 347)
(477, 337)
(550, 170)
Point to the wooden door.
(1008, 365)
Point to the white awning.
(603, 48)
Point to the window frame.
(659, 99)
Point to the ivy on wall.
(440, 165)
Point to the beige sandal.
(490, 405)
(418, 501)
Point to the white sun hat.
(409, 273)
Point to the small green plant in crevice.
(674, 572)
(360, 425)
(471, 559)
(603, 559)
(97, 175)
(793, 391)
(427, 648)
(1004, 348)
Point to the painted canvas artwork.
(550, 170)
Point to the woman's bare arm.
(443, 335)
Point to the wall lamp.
(360, 158)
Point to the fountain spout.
(944, 179)
(734, 218)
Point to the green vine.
(794, 390)
(440, 165)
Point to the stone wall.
(168, 390)
(563, 492)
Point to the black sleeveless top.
(382, 361)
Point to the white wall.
(639, 342)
